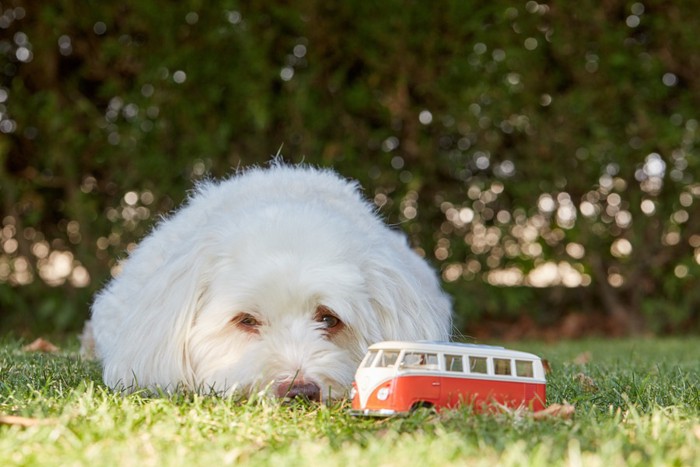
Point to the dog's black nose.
(307, 391)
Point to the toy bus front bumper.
(374, 412)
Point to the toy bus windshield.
(387, 358)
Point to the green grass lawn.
(637, 403)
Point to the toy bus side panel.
(535, 395)
(481, 392)
(460, 390)
(411, 390)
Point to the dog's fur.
(272, 279)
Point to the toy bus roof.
(444, 346)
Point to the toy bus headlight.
(382, 394)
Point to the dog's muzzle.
(300, 390)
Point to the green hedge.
(470, 123)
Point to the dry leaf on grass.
(563, 411)
(40, 345)
(586, 382)
(547, 367)
(583, 358)
(22, 421)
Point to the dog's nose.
(308, 391)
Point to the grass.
(637, 403)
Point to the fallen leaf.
(547, 367)
(565, 412)
(23, 421)
(40, 345)
(586, 382)
(583, 358)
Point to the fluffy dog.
(276, 279)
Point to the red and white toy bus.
(398, 377)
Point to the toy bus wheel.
(422, 406)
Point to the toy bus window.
(388, 358)
(369, 359)
(424, 361)
(524, 368)
(454, 363)
(501, 366)
(477, 365)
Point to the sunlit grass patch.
(637, 403)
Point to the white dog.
(276, 279)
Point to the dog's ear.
(408, 300)
(144, 317)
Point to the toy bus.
(399, 377)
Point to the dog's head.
(291, 312)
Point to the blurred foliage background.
(543, 156)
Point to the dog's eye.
(249, 321)
(328, 320)
(246, 322)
